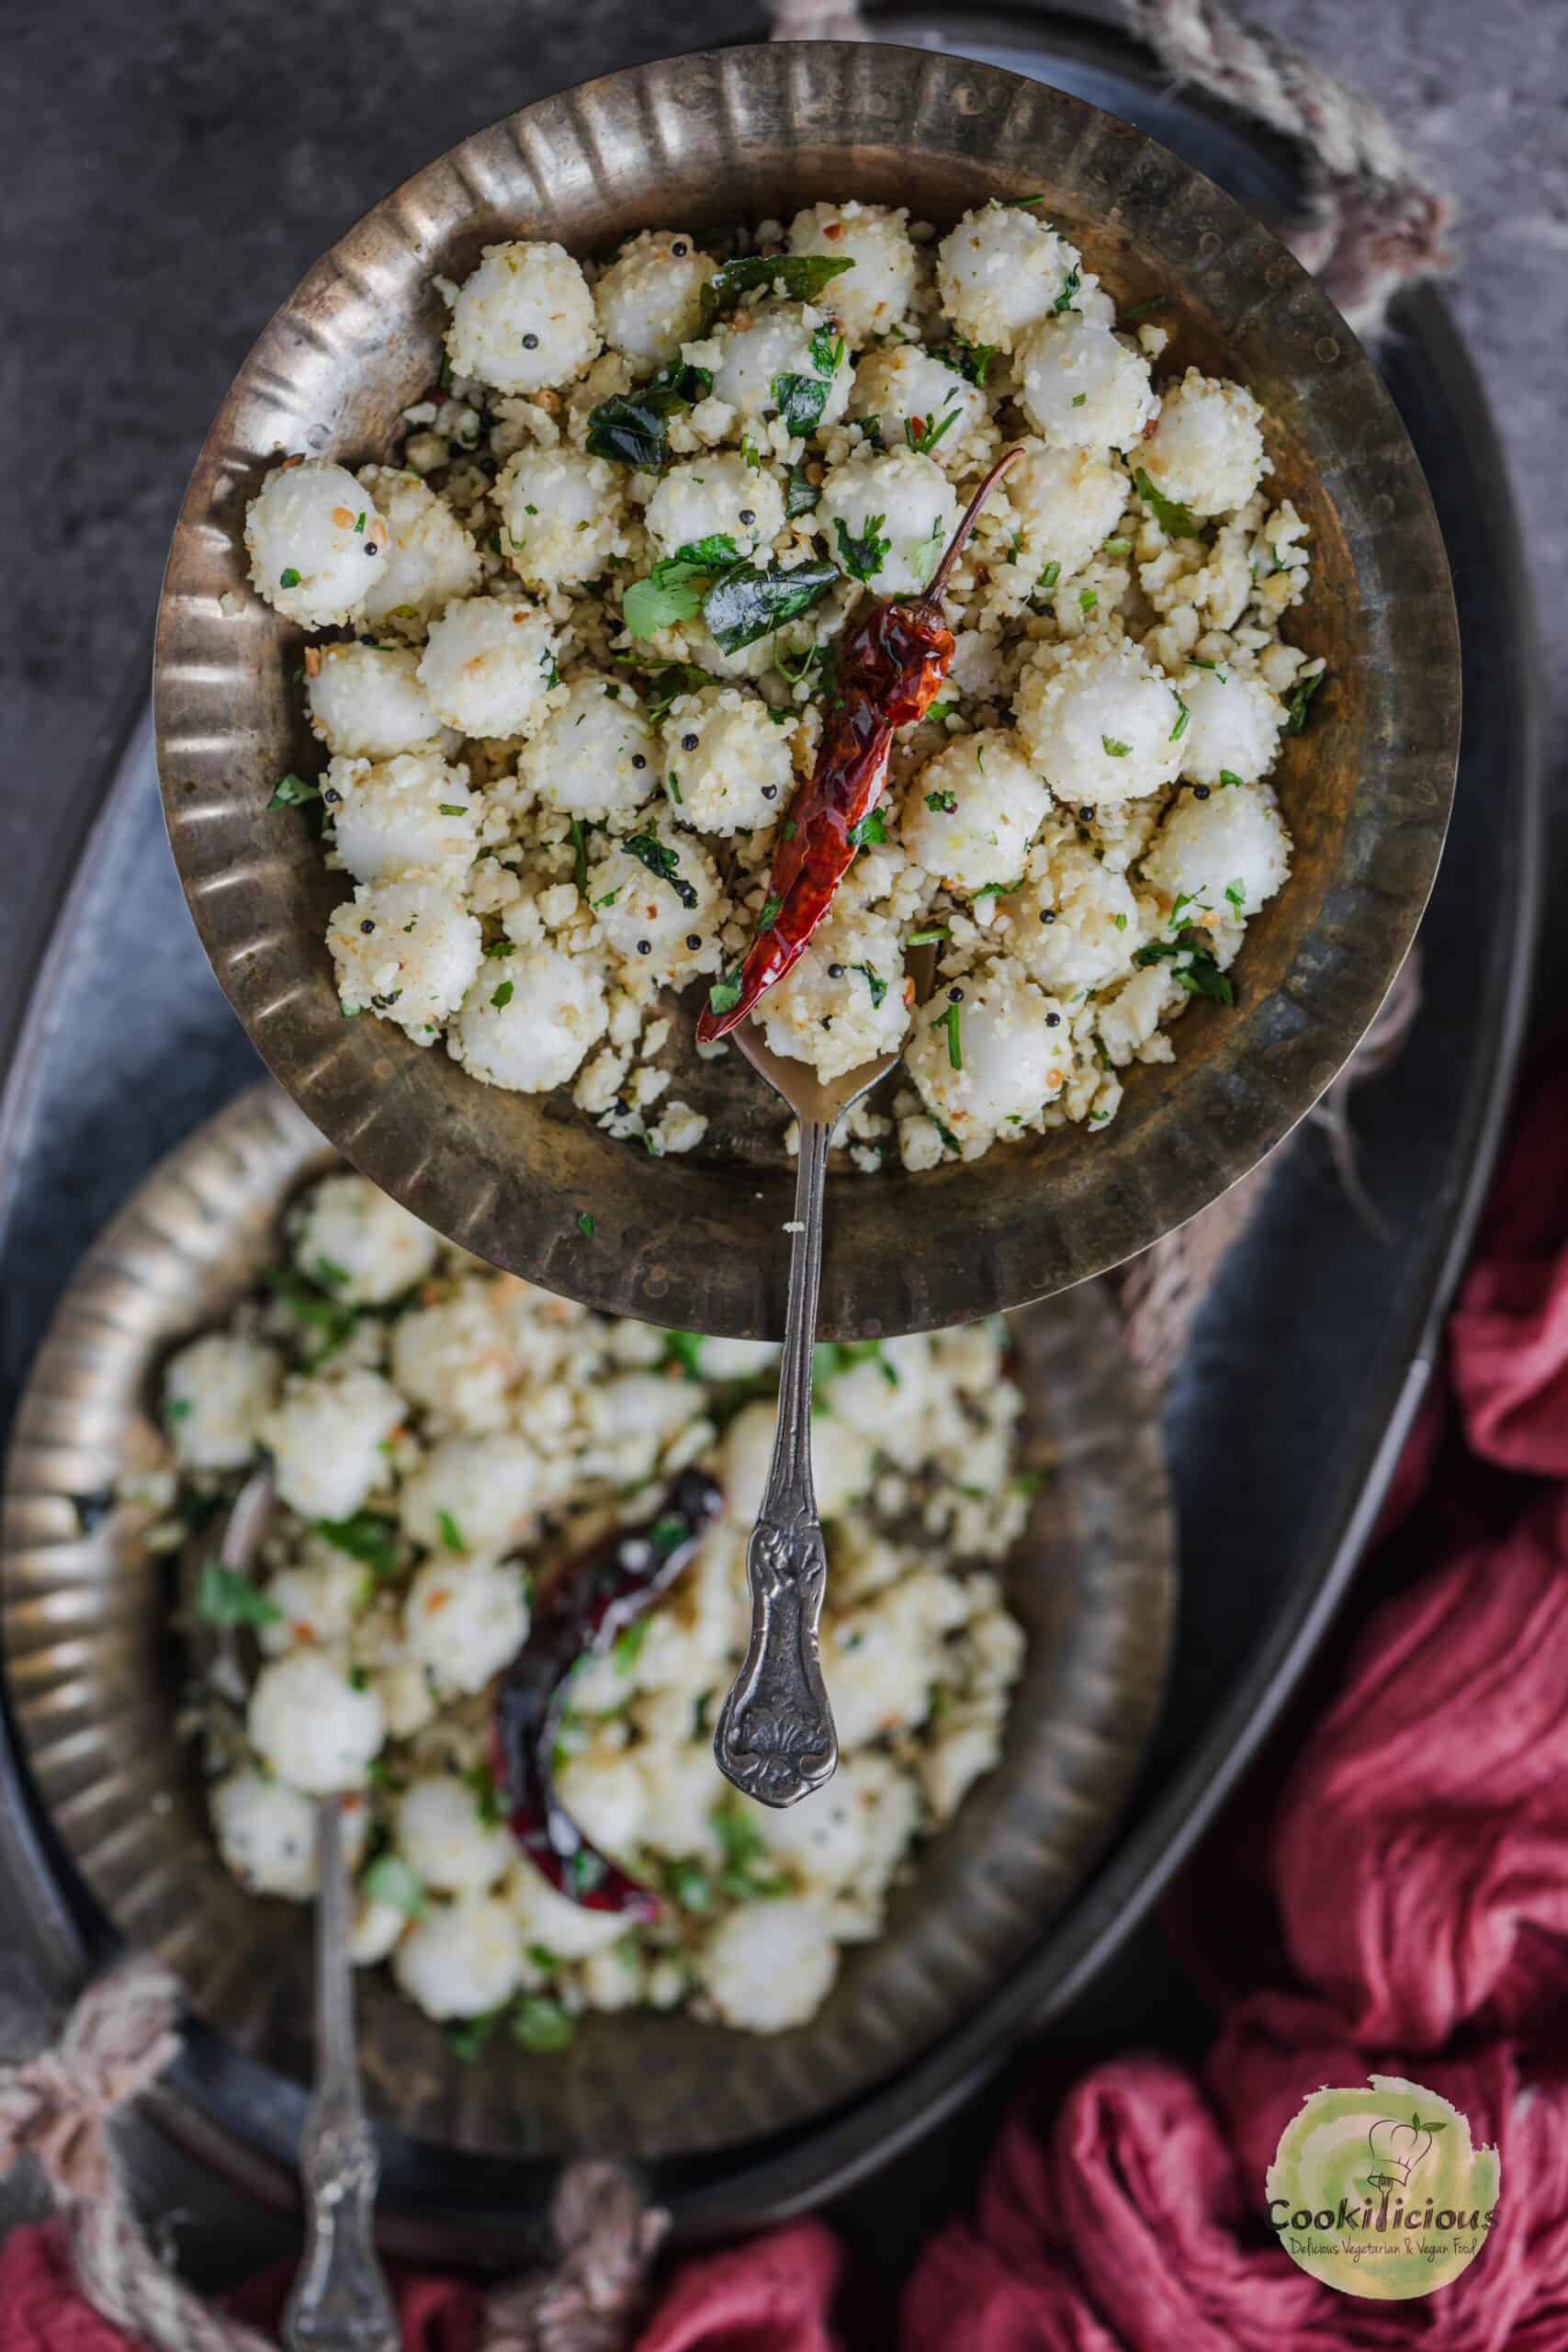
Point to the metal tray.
(1303, 1374)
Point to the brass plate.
(95, 1676)
(696, 1240)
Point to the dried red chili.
(579, 1614)
(890, 671)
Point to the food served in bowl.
(445, 1441)
(597, 613)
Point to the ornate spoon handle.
(339, 2302)
(775, 1738)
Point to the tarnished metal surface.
(693, 1240)
(95, 1672)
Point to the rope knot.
(605, 2239)
(57, 2105)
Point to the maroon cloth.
(1419, 1858)
(1508, 1333)
(40, 2310)
(1134, 2222)
(773, 2295)
(1393, 1898)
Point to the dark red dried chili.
(579, 1614)
(890, 671)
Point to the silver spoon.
(340, 2300)
(775, 1738)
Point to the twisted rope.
(57, 2108)
(1374, 221)
(605, 2239)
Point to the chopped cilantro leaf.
(922, 433)
(1296, 707)
(689, 1885)
(1070, 285)
(330, 1319)
(950, 1020)
(672, 592)
(366, 1536)
(800, 495)
(800, 400)
(224, 1597)
(541, 2025)
(504, 996)
(864, 556)
(826, 351)
(661, 860)
(1192, 966)
(970, 360)
(627, 1647)
(587, 1871)
(1177, 522)
(685, 1347)
(292, 792)
(870, 831)
(724, 995)
(451, 1533)
(390, 1879)
(466, 2036)
(486, 1796)
(585, 1225)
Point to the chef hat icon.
(1400, 2147)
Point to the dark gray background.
(174, 170)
